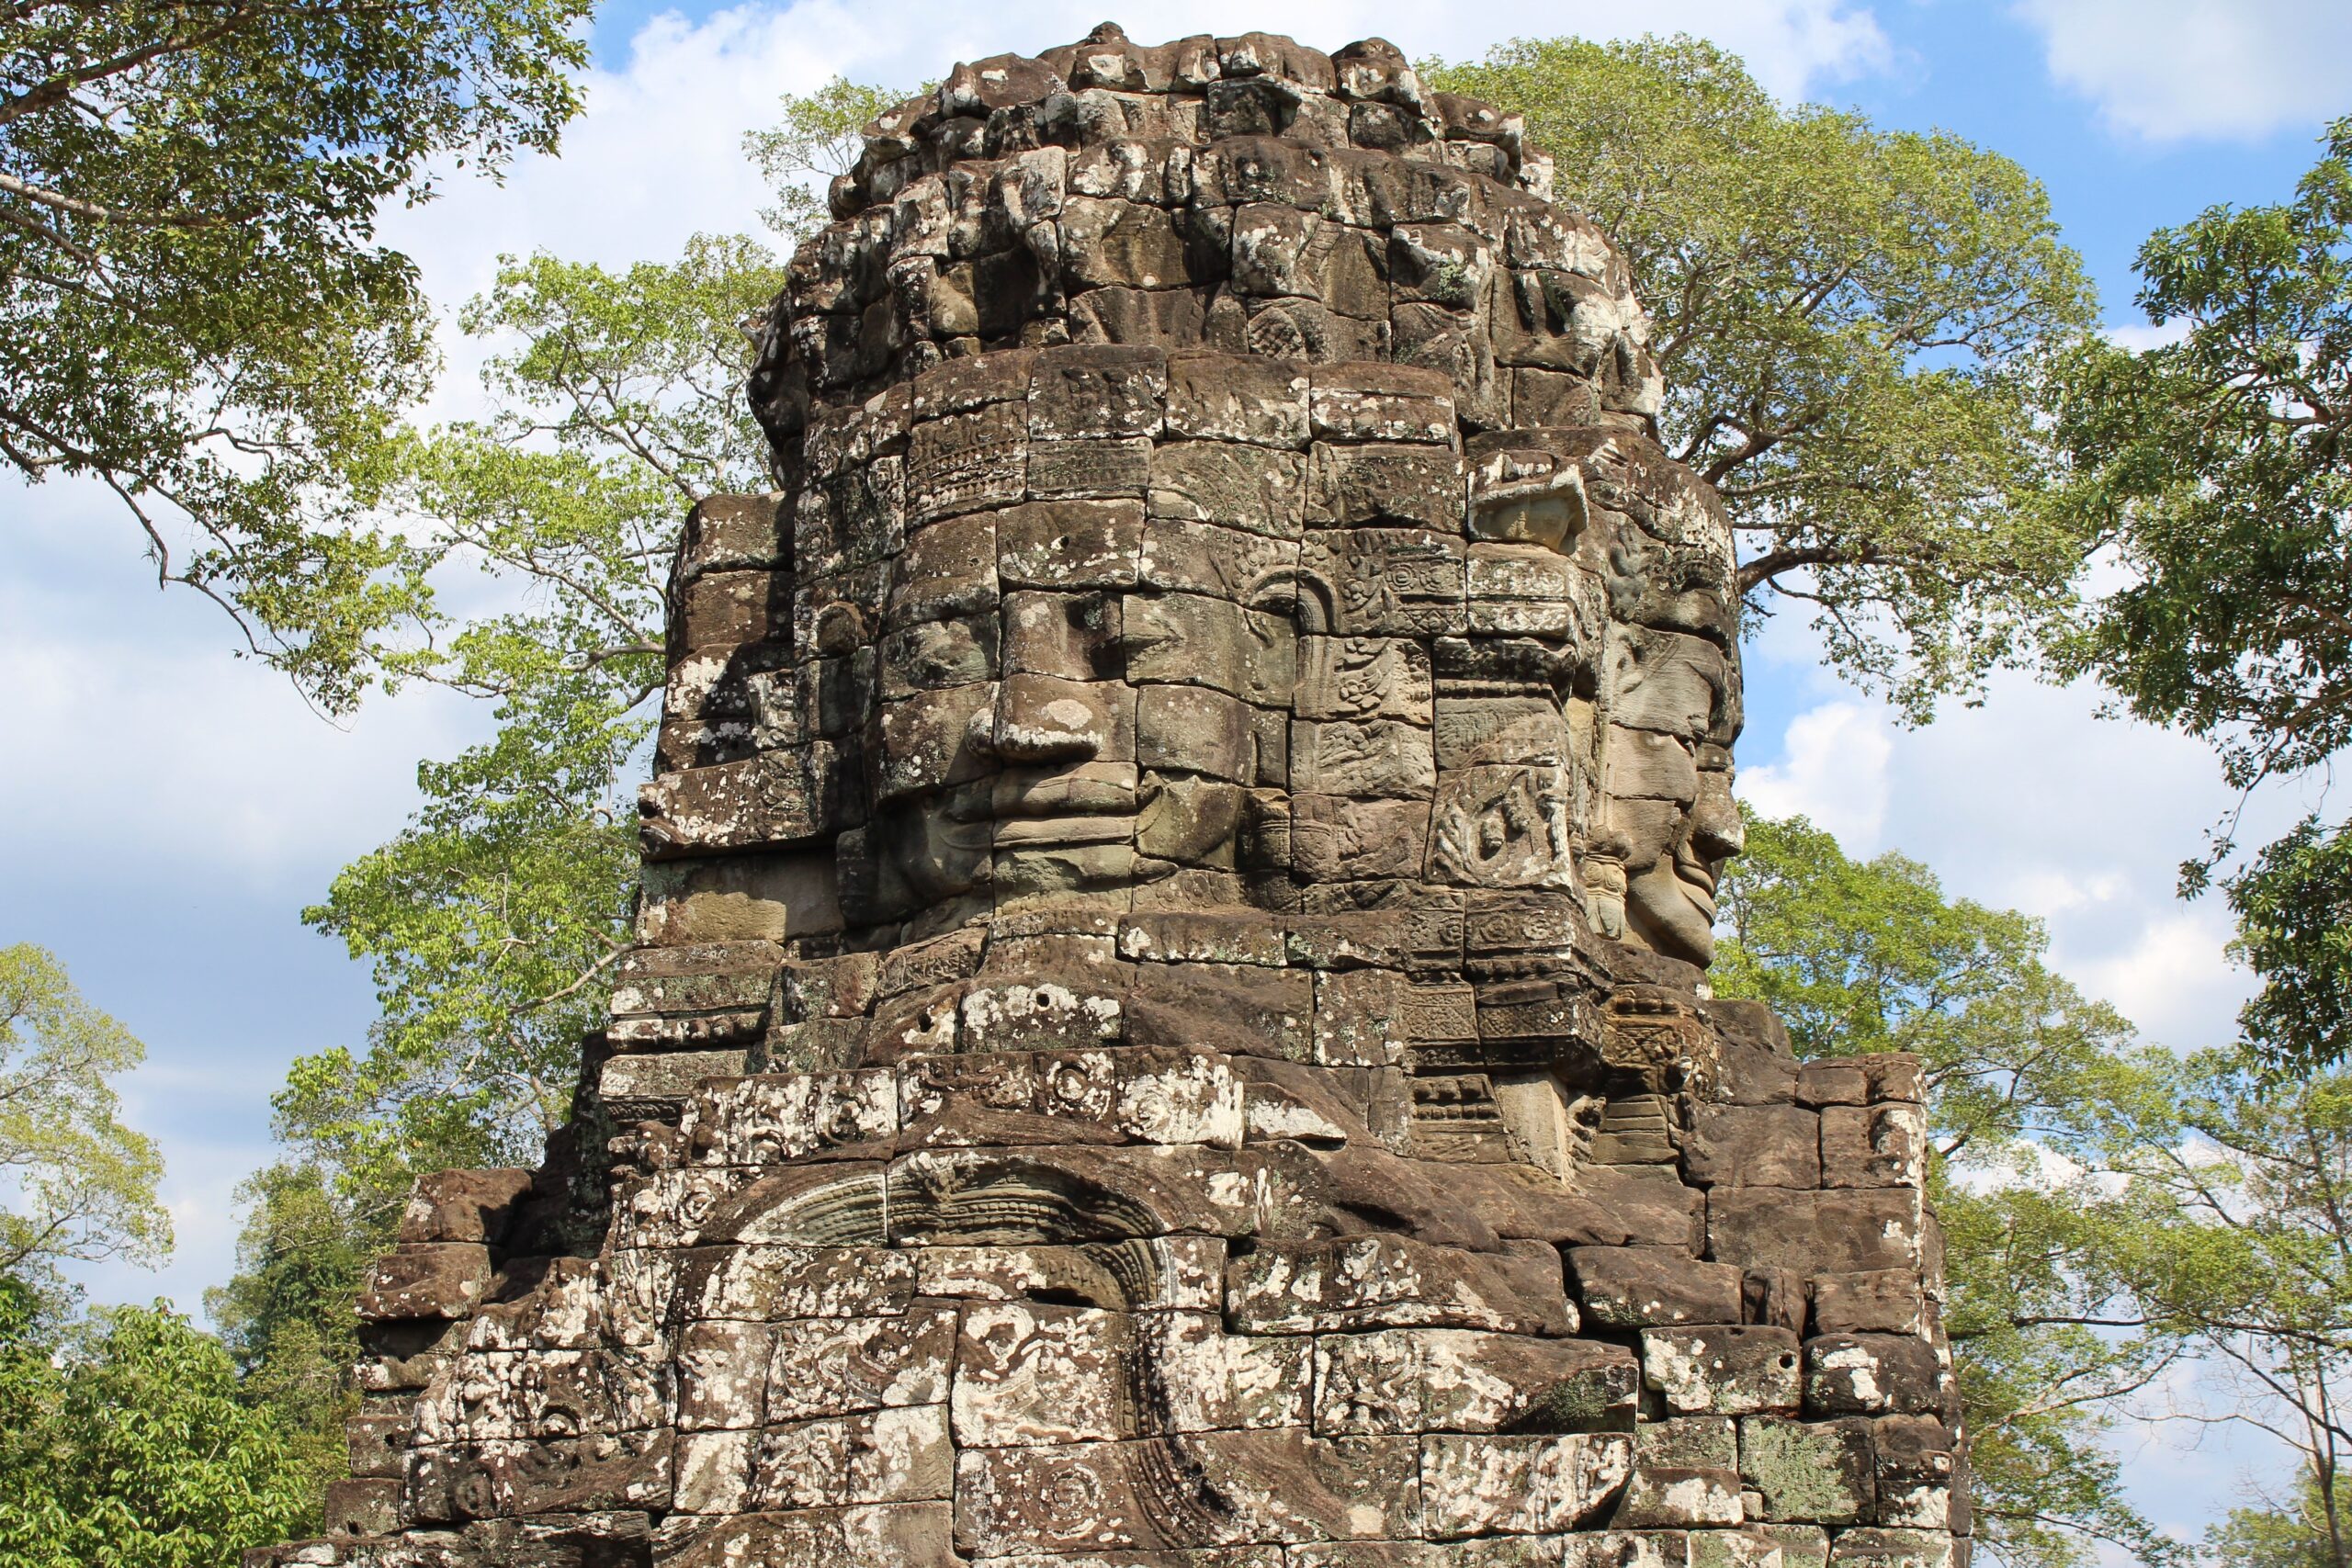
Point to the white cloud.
(2179, 70)
(145, 739)
(2030, 802)
(2175, 969)
(1832, 769)
(2140, 337)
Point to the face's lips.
(1093, 804)
(1698, 879)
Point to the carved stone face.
(1040, 731)
(1085, 621)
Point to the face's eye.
(933, 655)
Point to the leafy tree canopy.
(124, 1443)
(2216, 469)
(2026, 1080)
(75, 1184)
(288, 1316)
(194, 308)
(1850, 321)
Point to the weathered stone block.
(1870, 1374)
(766, 1283)
(1892, 1549)
(834, 1366)
(1874, 1146)
(1439, 1380)
(1881, 1300)
(1647, 1286)
(723, 1375)
(1846, 1232)
(1722, 1372)
(1389, 1281)
(1230, 1488)
(1173, 1272)
(1679, 1497)
(1220, 397)
(462, 1205)
(1917, 1469)
(1697, 1442)
(1627, 1549)
(1520, 1485)
(1254, 488)
(907, 1535)
(1753, 1146)
(897, 1455)
(1809, 1472)
(429, 1279)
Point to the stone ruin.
(1169, 1028)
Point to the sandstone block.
(897, 1455)
(1254, 488)
(362, 1507)
(559, 1475)
(723, 1375)
(428, 1280)
(1172, 1272)
(1266, 1486)
(1722, 1372)
(1438, 1380)
(1753, 1146)
(1892, 1549)
(1845, 1231)
(1520, 1485)
(1809, 1472)
(1882, 1300)
(1390, 1281)
(1627, 1549)
(462, 1205)
(1839, 1081)
(1693, 1442)
(1679, 1497)
(907, 1535)
(1222, 397)
(766, 1283)
(1874, 1146)
(1917, 1469)
(1647, 1287)
(1760, 1546)
(834, 1366)
(1870, 1374)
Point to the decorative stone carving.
(1169, 1028)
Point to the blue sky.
(174, 809)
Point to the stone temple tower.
(1169, 1026)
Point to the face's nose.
(1044, 719)
(1717, 830)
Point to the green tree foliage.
(493, 920)
(1849, 320)
(124, 1443)
(2218, 469)
(75, 1184)
(288, 1316)
(2261, 1282)
(2026, 1080)
(2293, 1533)
(194, 309)
(815, 141)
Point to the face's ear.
(1529, 496)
